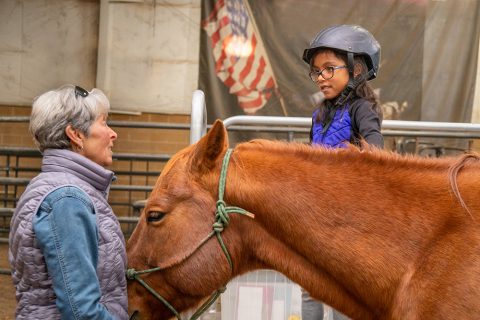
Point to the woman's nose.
(113, 134)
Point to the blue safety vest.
(338, 133)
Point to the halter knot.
(131, 274)
(221, 215)
(218, 227)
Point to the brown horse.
(371, 233)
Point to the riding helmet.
(350, 39)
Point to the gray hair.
(54, 110)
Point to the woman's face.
(331, 88)
(98, 145)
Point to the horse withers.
(374, 234)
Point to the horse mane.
(453, 173)
(374, 156)
(366, 153)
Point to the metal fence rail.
(389, 127)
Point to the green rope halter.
(222, 219)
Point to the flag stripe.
(240, 59)
(249, 64)
(216, 36)
(213, 15)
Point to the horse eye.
(154, 216)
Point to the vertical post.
(198, 118)
(476, 97)
(104, 46)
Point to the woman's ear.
(75, 136)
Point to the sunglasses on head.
(79, 91)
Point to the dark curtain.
(428, 58)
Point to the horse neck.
(289, 190)
(289, 180)
(311, 225)
(277, 188)
(294, 188)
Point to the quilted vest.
(34, 292)
(339, 131)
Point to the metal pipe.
(5, 271)
(268, 120)
(198, 119)
(128, 219)
(431, 126)
(430, 134)
(14, 119)
(274, 124)
(153, 125)
(386, 124)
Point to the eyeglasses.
(327, 73)
(79, 91)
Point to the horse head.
(172, 239)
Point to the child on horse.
(342, 58)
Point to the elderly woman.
(67, 251)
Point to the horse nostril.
(134, 315)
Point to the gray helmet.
(350, 39)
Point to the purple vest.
(34, 292)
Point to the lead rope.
(222, 220)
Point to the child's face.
(330, 88)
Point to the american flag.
(240, 59)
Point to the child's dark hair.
(363, 90)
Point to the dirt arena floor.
(7, 296)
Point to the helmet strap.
(344, 96)
(352, 84)
(350, 65)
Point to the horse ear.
(213, 145)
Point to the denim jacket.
(67, 233)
